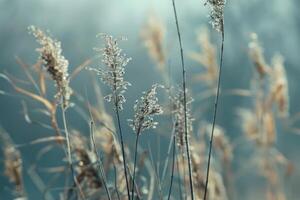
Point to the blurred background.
(76, 24)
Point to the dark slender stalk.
(116, 181)
(99, 162)
(179, 177)
(173, 166)
(172, 138)
(184, 99)
(69, 152)
(215, 112)
(122, 146)
(134, 166)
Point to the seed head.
(217, 14)
(114, 70)
(55, 63)
(177, 107)
(145, 109)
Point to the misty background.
(76, 24)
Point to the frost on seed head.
(177, 108)
(217, 13)
(112, 74)
(55, 63)
(145, 109)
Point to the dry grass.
(106, 167)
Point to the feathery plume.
(145, 109)
(177, 107)
(257, 56)
(13, 164)
(55, 63)
(217, 14)
(153, 35)
(207, 59)
(113, 74)
(279, 86)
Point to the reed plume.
(144, 111)
(207, 59)
(153, 35)
(184, 101)
(13, 165)
(217, 21)
(55, 63)
(112, 75)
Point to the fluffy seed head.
(279, 86)
(217, 14)
(177, 107)
(153, 36)
(257, 56)
(113, 73)
(55, 63)
(145, 109)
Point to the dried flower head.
(55, 63)
(221, 143)
(153, 36)
(217, 14)
(113, 74)
(145, 109)
(279, 86)
(177, 107)
(88, 176)
(257, 56)
(12, 164)
(207, 59)
(249, 123)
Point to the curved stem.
(215, 113)
(99, 161)
(184, 99)
(69, 153)
(134, 166)
(179, 177)
(173, 166)
(122, 147)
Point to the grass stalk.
(173, 166)
(69, 153)
(99, 162)
(122, 145)
(134, 166)
(215, 111)
(184, 99)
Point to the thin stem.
(69, 151)
(215, 112)
(116, 181)
(122, 146)
(99, 162)
(134, 166)
(168, 155)
(173, 166)
(184, 99)
(179, 177)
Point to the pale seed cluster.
(145, 109)
(113, 74)
(55, 63)
(217, 14)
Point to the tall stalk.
(99, 162)
(173, 166)
(122, 145)
(184, 99)
(69, 152)
(215, 110)
(134, 166)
